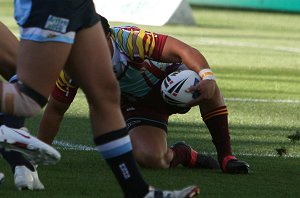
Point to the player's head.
(105, 25)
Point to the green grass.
(255, 55)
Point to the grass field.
(255, 56)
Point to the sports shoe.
(26, 179)
(191, 191)
(191, 158)
(232, 165)
(2, 177)
(35, 150)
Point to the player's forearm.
(194, 60)
(51, 120)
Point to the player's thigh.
(8, 42)
(40, 63)
(8, 52)
(90, 64)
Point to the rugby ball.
(174, 86)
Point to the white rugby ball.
(174, 86)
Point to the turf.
(255, 56)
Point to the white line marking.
(262, 100)
(63, 145)
(247, 100)
(70, 146)
(206, 41)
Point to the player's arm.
(51, 120)
(177, 51)
(59, 102)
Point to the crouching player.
(141, 60)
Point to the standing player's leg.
(97, 80)
(8, 52)
(8, 58)
(25, 174)
(28, 97)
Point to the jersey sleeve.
(65, 89)
(138, 43)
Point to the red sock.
(217, 124)
(184, 155)
(179, 157)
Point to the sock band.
(226, 160)
(116, 147)
(218, 111)
(37, 97)
(108, 137)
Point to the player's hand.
(206, 88)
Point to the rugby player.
(25, 174)
(57, 34)
(141, 60)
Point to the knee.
(20, 100)
(153, 159)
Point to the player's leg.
(97, 80)
(147, 124)
(215, 115)
(8, 52)
(151, 150)
(8, 58)
(25, 173)
(37, 70)
(150, 146)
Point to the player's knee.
(151, 159)
(20, 100)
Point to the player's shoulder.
(131, 28)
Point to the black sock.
(12, 157)
(12, 121)
(16, 159)
(116, 149)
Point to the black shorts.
(54, 20)
(151, 110)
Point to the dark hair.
(105, 25)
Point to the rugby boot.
(191, 191)
(32, 148)
(26, 179)
(232, 165)
(2, 177)
(188, 157)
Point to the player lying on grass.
(141, 60)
